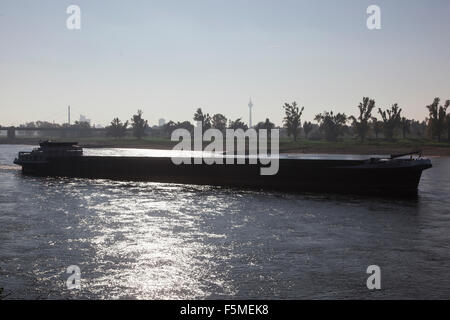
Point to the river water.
(135, 240)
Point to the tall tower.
(250, 106)
(68, 114)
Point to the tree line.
(329, 124)
(333, 125)
(218, 121)
(116, 129)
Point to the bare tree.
(219, 122)
(391, 120)
(205, 119)
(265, 125)
(376, 126)
(237, 124)
(307, 128)
(406, 126)
(292, 120)
(116, 129)
(333, 125)
(361, 123)
(139, 125)
(437, 119)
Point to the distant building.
(84, 119)
(161, 122)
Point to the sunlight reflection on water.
(161, 241)
(130, 152)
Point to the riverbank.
(428, 148)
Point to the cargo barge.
(394, 175)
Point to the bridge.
(61, 132)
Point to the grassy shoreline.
(429, 148)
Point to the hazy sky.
(170, 57)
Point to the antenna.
(68, 114)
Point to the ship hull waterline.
(297, 175)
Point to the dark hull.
(299, 175)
